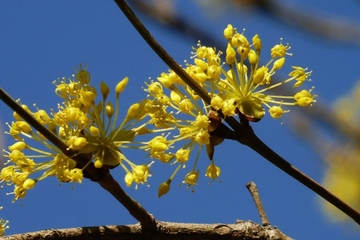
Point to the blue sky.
(45, 40)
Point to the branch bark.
(166, 230)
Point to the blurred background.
(42, 41)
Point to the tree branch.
(315, 22)
(166, 230)
(251, 186)
(245, 134)
(102, 175)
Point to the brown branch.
(331, 27)
(257, 145)
(166, 230)
(251, 186)
(102, 176)
(135, 209)
(243, 132)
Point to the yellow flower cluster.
(176, 117)
(174, 107)
(86, 126)
(233, 87)
(245, 84)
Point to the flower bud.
(79, 142)
(121, 86)
(98, 164)
(94, 131)
(23, 126)
(18, 146)
(253, 58)
(109, 110)
(105, 90)
(228, 32)
(230, 54)
(278, 64)
(257, 42)
(164, 188)
(133, 111)
(29, 183)
(129, 178)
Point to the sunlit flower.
(247, 88)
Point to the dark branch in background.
(102, 176)
(244, 132)
(329, 27)
(251, 186)
(314, 22)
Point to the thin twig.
(102, 175)
(251, 186)
(244, 132)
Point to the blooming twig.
(244, 131)
(100, 175)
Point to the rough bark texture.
(165, 230)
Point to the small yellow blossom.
(304, 98)
(182, 155)
(212, 171)
(192, 177)
(280, 50)
(276, 111)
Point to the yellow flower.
(304, 98)
(212, 171)
(139, 175)
(276, 111)
(192, 177)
